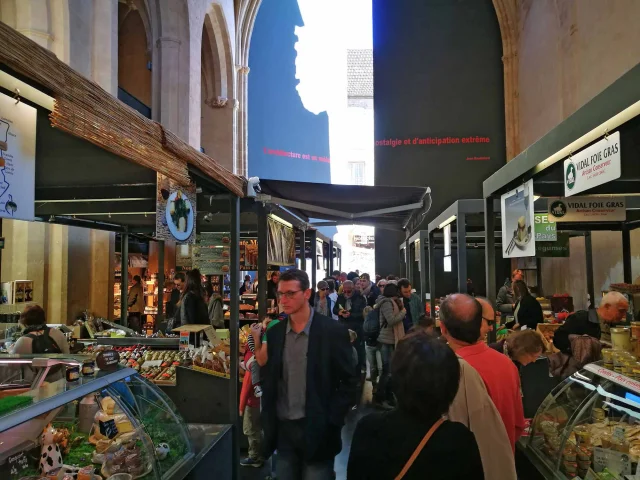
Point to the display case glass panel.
(100, 424)
(589, 421)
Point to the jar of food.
(621, 338)
(88, 368)
(598, 415)
(583, 434)
(618, 360)
(72, 373)
(607, 356)
(635, 330)
(627, 367)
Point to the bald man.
(488, 318)
(595, 323)
(461, 318)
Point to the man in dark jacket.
(505, 301)
(595, 323)
(272, 286)
(309, 384)
(368, 289)
(350, 310)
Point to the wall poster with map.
(17, 159)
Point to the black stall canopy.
(323, 205)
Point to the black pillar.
(410, 261)
(262, 261)
(234, 329)
(314, 258)
(160, 315)
(423, 265)
(432, 272)
(588, 249)
(303, 250)
(461, 239)
(331, 268)
(490, 255)
(124, 285)
(626, 254)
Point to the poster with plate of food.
(175, 211)
(518, 239)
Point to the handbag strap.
(419, 448)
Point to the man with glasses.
(308, 386)
(350, 310)
(595, 323)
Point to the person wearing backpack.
(371, 330)
(392, 313)
(36, 336)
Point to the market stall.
(80, 166)
(456, 261)
(583, 178)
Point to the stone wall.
(568, 52)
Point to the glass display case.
(588, 427)
(57, 416)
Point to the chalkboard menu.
(211, 253)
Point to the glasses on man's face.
(348, 292)
(290, 294)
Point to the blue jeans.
(384, 386)
(373, 352)
(291, 464)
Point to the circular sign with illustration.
(570, 176)
(558, 209)
(179, 216)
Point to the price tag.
(17, 463)
(108, 360)
(108, 429)
(211, 335)
(614, 461)
(184, 341)
(618, 434)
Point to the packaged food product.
(607, 356)
(621, 338)
(72, 373)
(583, 434)
(85, 473)
(88, 368)
(598, 414)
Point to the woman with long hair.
(193, 309)
(528, 311)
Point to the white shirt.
(334, 298)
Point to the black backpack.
(43, 343)
(371, 326)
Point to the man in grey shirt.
(309, 384)
(505, 302)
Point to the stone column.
(105, 45)
(241, 167)
(32, 20)
(166, 91)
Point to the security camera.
(253, 187)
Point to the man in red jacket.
(461, 317)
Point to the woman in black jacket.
(425, 375)
(193, 309)
(528, 311)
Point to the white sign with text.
(593, 166)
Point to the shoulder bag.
(419, 449)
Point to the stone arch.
(216, 112)
(135, 56)
(217, 61)
(507, 13)
(246, 13)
